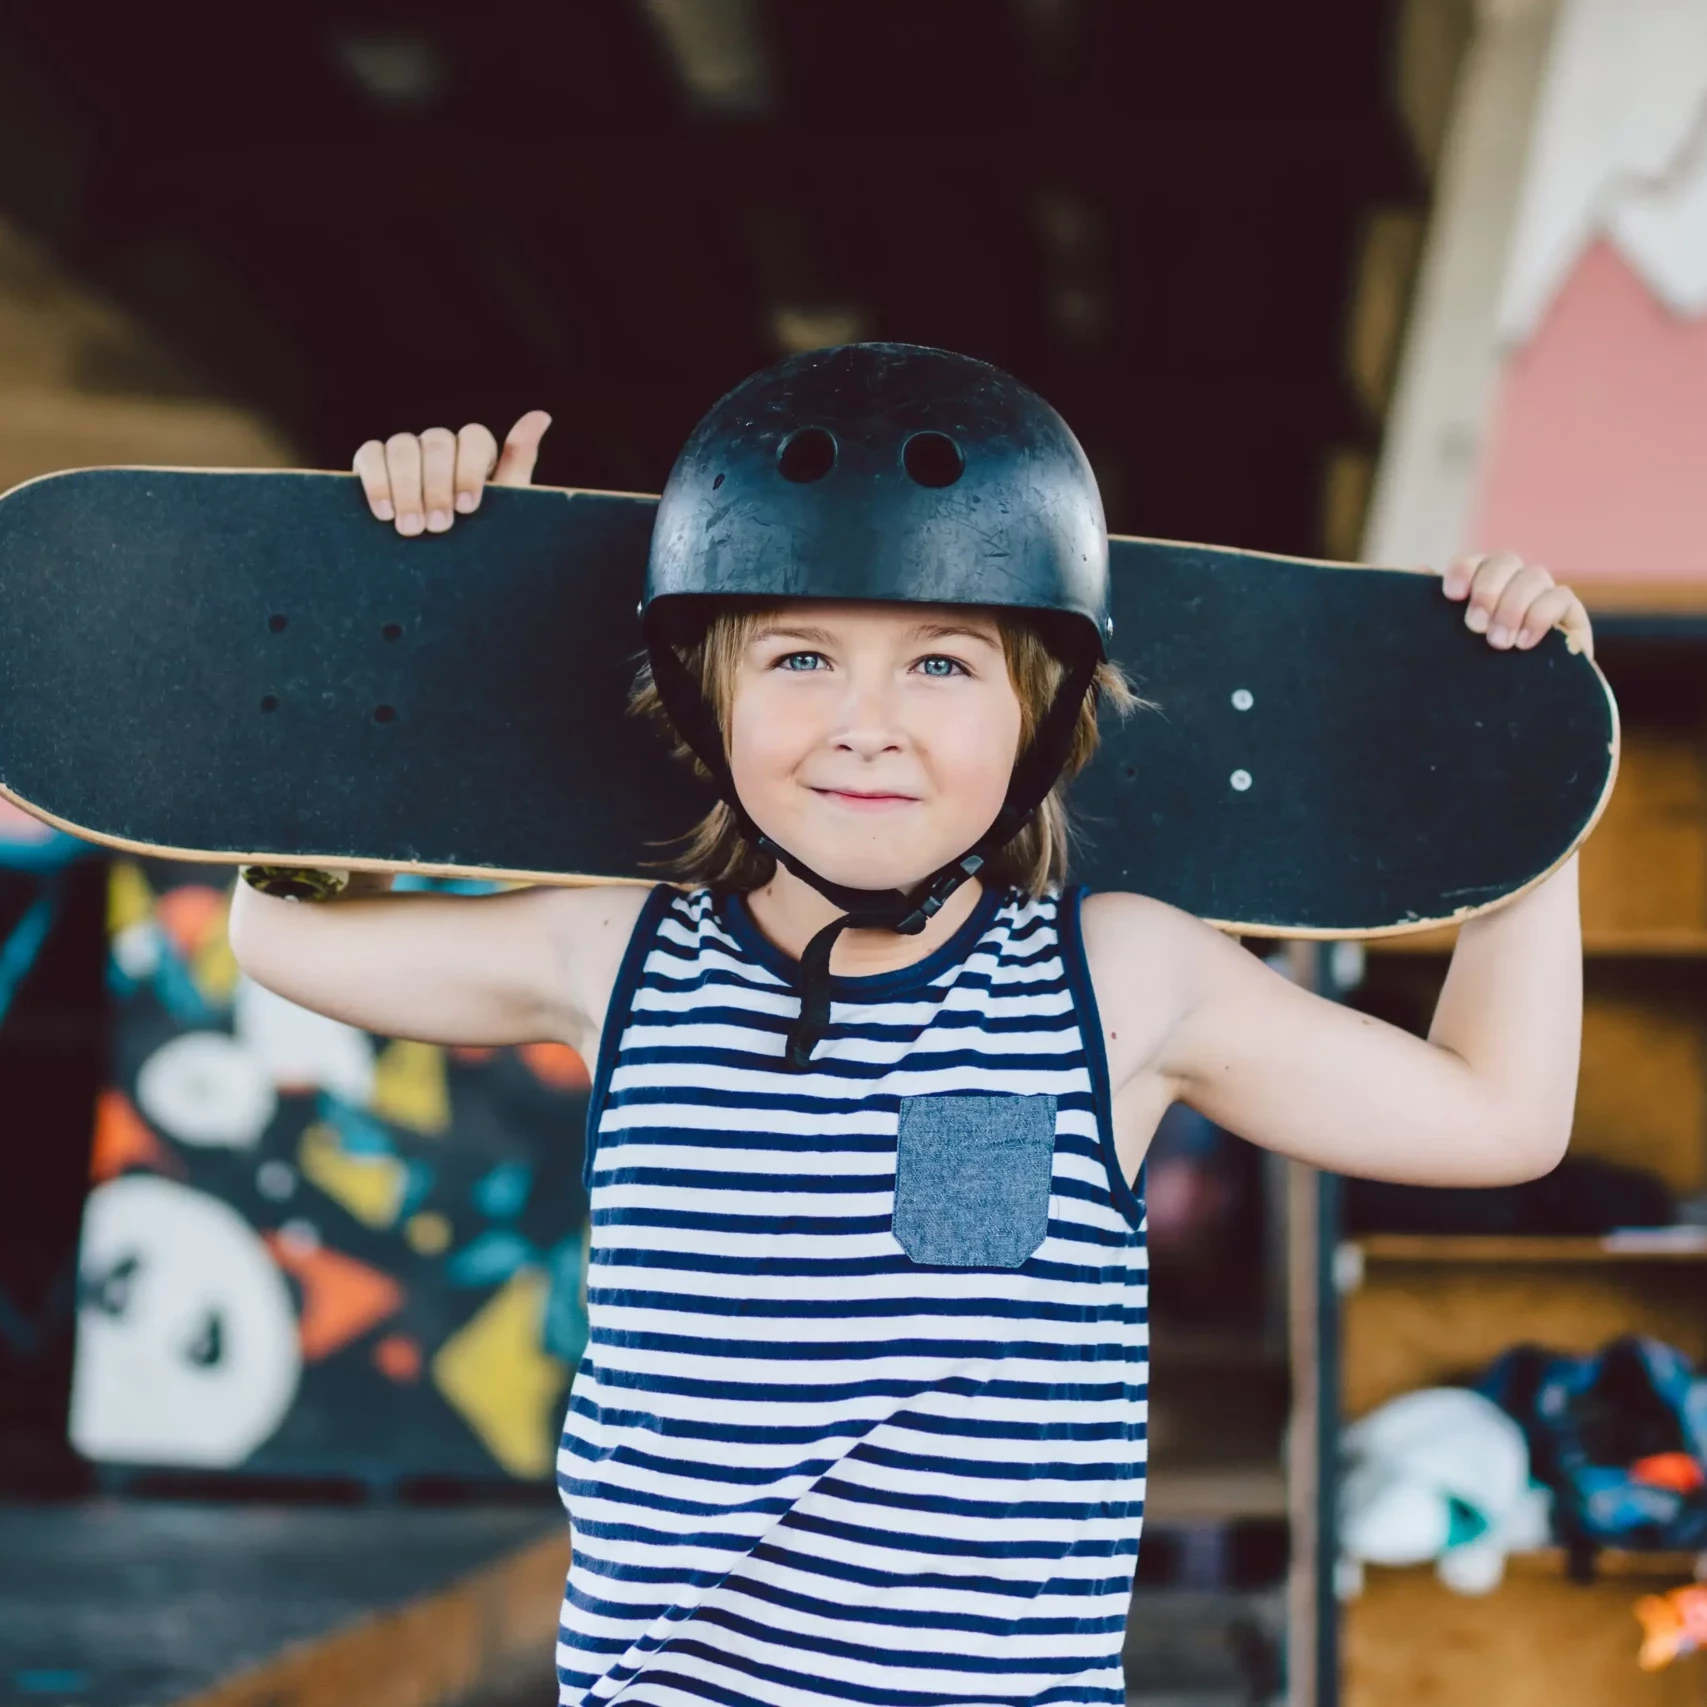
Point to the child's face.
(874, 741)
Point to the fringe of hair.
(715, 852)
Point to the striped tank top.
(861, 1416)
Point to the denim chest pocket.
(972, 1178)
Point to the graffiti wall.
(312, 1251)
(52, 1048)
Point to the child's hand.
(1515, 603)
(427, 480)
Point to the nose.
(868, 724)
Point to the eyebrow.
(923, 631)
(948, 630)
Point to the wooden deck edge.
(430, 1652)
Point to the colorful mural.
(312, 1251)
(30, 848)
(46, 1059)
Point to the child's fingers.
(1519, 593)
(1579, 631)
(438, 477)
(1455, 583)
(376, 480)
(403, 465)
(1543, 614)
(1489, 581)
(1558, 607)
(476, 456)
(521, 449)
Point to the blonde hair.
(715, 852)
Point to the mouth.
(865, 799)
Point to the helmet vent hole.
(933, 459)
(716, 483)
(807, 455)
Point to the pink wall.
(1597, 461)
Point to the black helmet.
(884, 472)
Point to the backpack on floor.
(1619, 1435)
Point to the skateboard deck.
(247, 666)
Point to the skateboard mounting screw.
(1242, 700)
(1241, 780)
(276, 624)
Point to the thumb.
(521, 450)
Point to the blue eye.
(793, 661)
(951, 665)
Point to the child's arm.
(1487, 1099)
(522, 966)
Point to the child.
(862, 1413)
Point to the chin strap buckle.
(935, 894)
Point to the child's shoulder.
(1126, 912)
(1148, 963)
(1126, 934)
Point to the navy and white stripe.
(802, 1469)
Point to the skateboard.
(246, 666)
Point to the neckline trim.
(738, 919)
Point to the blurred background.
(1369, 278)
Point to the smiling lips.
(865, 802)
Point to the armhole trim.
(1071, 932)
(617, 1012)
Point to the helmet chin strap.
(904, 911)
